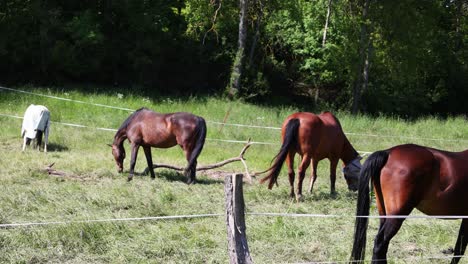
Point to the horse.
(406, 177)
(147, 129)
(36, 123)
(314, 137)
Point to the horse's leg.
(39, 140)
(313, 175)
(333, 164)
(189, 172)
(25, 140)
(46, 138)
(135, 148)
(390, 201)
(290, 164)
(149, 160)
(387, 230)
(301, 172)
(462, 241)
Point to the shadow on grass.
(52, 147)
(173, 176)
(327, 196)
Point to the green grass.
(27, 194)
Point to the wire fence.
(253, 214)
(213, 215)
(194, 216)
(228, 124)
(208, 139)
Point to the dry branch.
(61, 174)
(215, 165)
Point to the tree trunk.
(324, 39)
(43, 32)
(236, 74)
(461, 6)
(365, 70)
(363, 62)
(257, 30)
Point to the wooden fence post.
(235, 221)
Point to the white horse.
(35, 123)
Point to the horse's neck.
(348, 153)
(120, 136)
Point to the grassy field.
(29, 195)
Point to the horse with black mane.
(147, 129)
(314, 137)
(406, 177)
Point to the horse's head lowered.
(119, 155)
(351, 173)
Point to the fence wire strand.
(175, 217)
(223, 123)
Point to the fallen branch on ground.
(213, 166)
(61, 174)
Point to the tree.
(236, 74)
(363, 62)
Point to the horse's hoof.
(129, 179)
(191, 181)
(448, 251)
(299, 198)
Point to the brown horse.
(314, 137)
(406, 177)
(148, 129)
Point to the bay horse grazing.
(36, 123)
(314, 137)
(406, 177)
(148, 129)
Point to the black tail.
(370, 170)
(200, 134)
(290, 138)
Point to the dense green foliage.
(417, 49)
(97, 192)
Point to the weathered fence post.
(235, 221)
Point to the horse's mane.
(130, 118)
(127, 121)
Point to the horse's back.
(434, 180)
(186, 126)
(184, 120)
(319, 135)
(149, 128)
(332, 126)
(162, 130)
(309, 124)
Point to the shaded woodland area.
(407, 58)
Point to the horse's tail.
(200, 134)
(370, 170)
(290, 138)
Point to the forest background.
(406, 58)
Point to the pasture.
(29, 195)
